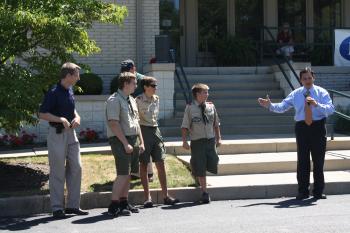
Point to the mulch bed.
(19, 177)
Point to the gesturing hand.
(265, 102)
(185, 145)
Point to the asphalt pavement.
(260, 216)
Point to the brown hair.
(69, 68)
(198, 87)
(147, 81)
(306, 70)
(125, 77)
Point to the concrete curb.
(30, 205)
(228, 147)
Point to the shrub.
(322, 56)
(90, 83)
(235, 51)
(114, 84)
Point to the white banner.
(342, 47)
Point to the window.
(212, 23)
(249, 18)
(294, 13)
(169, 20)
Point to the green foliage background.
(36, 38)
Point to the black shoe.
(148, 204)
(320, 196)
(170, 201)
(113, 209)
(125, 205)
(150, 177)
(76, 211)
(205, 198)
(59, 214)
(133, 177)
(302, 196)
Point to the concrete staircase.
(330, 77)
(234, 92)
(266, 168)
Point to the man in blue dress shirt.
(312, 106)
(58, 108)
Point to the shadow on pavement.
(180, 205)
(94, 219)
(290, 203)
(20, 224)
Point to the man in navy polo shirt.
(58, 108)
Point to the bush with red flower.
(17, 140)
(88, 135)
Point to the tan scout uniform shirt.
(193, 121)
(148, 110)
(117, 108)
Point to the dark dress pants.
(311, 139)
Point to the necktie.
(204, 116)
(308, 110)
(130, 106)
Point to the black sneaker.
(170, 200)
(125, 205)
(148, 204)
(133, 177)
(302, 196)
(76, 211)
(205, 198)
(124, 212)
(320, 196)
(150, 177)
(59, 214)
(113, 209)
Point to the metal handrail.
(184, 89)
(339, 114)
(284, 58)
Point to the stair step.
(239, 94)
(271, 185)
(242, 111)
(266, 144)
(239, 86)
(239, 129)
(227, 70)
(228, 104)
(238, 120)
(262, 163)
(212, 78)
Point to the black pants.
(311, 139)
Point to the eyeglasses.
(153, 85)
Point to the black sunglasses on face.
(153, 85)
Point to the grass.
(99, 173)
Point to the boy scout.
(202, 122)
(124, 135)
(129, 66)
(148, 107)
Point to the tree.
(36, 38)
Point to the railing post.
(332, 118)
